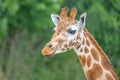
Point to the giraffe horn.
(64, 12)
(73, 13)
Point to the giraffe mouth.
(50, 55)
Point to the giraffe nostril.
(50, 45)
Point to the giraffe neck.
(95, 63)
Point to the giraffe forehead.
(65, 24)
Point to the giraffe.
(70, 33)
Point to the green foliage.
(26, 26)
(118, 69)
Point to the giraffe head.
(65, 32)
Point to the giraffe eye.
(71, 31)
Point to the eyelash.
(71, 31)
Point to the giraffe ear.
(82, 20)
(55, 19)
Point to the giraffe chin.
(50, 55)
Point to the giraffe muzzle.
(48, 50)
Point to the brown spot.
(83, 60)
(73, 43)
(108, 77)
(86, 50)
(78, 37)
(81, 49)
(88, 43)
(70, 43)
(67, 49)
(65, 45)
(83, 42)
(78, 46)
(88, 61)
(94, 54)
(63, 49)
(94, 73)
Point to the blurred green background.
(26, 26)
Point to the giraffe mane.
(106, 62)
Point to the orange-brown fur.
(94, 73)
(89, 61)
(88, 43)
(109, 77)
(83, 60)
(95, 54)
(86, 50)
